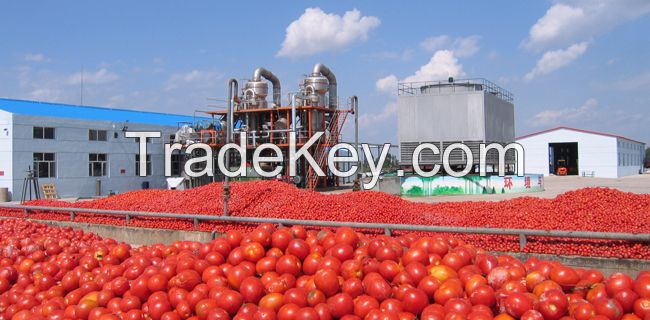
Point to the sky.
(578, 63)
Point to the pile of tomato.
(591, 209)
(295, 274)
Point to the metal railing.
(460, 85)
(388, 228)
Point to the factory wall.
(72, 147)
(6, 134)
(631, 155)
(596, 153)
(499, 119)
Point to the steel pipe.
(321, 69)
(355, 110)
(277, 91)
(636, 237)
(233, 91)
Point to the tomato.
(204, 306)
(609, 308)
(618, 282)
(326, 280)
(483, 295)
(288, 311)
(315, 297)
(460, 306)
(642, 286)
(158, 307)
(353, 287)
(452, 288)
(517, 303)
(363, 304)
(251, 289)
(376, 287)
(307, 313)
(280, 238)
(626, 298)
(442, 272)
(129, 303)
(532, 315)
(642, 307)
(272, 301)
(298, 248)
(414, 300)
(297, 296)
(288, 264)
(157, 282)
(553, 304)
(237, 274)
(340, 304)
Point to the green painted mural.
(445, 185)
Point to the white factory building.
(78, 147)
(582, 152)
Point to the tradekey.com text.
(268, 153)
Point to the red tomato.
(340, 304)
(251, 289)
(609, 308)
(326, 280)
(517, 303)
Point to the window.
(97, 135)
(137, 164)
(43, 133)
(97, 165)
(44, 165)
(177, 165)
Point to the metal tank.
(256, 90)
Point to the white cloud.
(562, 116)
(101, 76)
(433, 44)
(570, 21)
(404, 55)
(466, 47)
(316, 31)
(35, 57)
(195, 77)
(387, 84)
(462, 46)
(443, 64)
(45, 94)
(556, 59)
(371, 119)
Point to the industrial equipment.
(467, 111)
(313, 108)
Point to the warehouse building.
(81, 148)
(582, 152)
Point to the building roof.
(577, 130)
(58, 110)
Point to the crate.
(49, 191)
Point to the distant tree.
(647, 155)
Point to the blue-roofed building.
(82, 150)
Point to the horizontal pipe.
(638, 237)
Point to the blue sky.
(576, 62)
